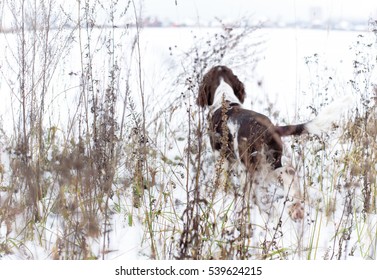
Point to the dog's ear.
(239, 90)
(237, 86)
(204, 96)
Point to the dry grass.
(116, 162)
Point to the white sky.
(206, 10)
(287, 10)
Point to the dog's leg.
(265, 191)
(287, 176)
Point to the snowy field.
(155, 198)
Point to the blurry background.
(104, 153)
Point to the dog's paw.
(296, 211)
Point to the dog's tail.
(322, 122)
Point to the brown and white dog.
(253, 141)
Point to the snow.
(291, 70)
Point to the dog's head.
(211, 81)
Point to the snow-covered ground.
(288, 71)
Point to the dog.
(250, 140)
